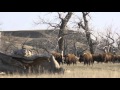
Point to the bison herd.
(87, 58)
(68, 58)
(52, 63)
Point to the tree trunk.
(63, 25)
(87, 31)
(60, 42)
(75, 49)
(89, 40)
(65, 46)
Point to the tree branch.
(60, 17)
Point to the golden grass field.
(104, 70)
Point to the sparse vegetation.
(104, 70)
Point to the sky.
(25, 20)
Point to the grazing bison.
(98, 57)
(105, 57)
(70, 58)
(116, 58)
(86, 58)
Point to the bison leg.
(105, 61)
(84, 62)
(89, 62)
(73, 62)
(92, 61)
(68, 63)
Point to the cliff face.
(47, 38)
(42, 33)
(30, 33)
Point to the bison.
(98, 57)
(116, 58)
(70, 58)
(86, 58)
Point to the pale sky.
(24, 20)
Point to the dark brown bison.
(86, 58)
(116, 58)
(58, 57)
(104, 57)
(98, 57)
(70, 58)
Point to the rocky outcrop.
(12, 64)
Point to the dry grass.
(105, 70)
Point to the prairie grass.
(101, 70)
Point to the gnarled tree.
(107, 42)
(64, 18)
(85, 26)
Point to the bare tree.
(107, 41)
(61, 25)
(118, 41)
(85, 26)
(7, 43)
